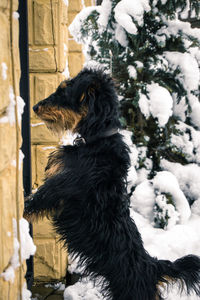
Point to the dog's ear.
(89, 92)
(95, 91)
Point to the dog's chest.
(60, 160)
(54, 165)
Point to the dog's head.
(85, 104)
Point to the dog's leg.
(49, 196)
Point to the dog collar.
(78, 141)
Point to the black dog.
(85, 192)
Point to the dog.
(85, 192)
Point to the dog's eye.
(60, 91)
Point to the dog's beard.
(59, 120)
(55, 127)
(59, 129)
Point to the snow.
(21, 157)
(188, 141)
(179, 107)
(196, 207)
(132, 72)
(195, 113)
(144, 105)
(163, 2)
(20, 108)
(132, 174)
(175, 26)
(144, 193)
(120, 36)
(37, 50)
(26, 294)
(83, 3)
(163, 182)
(65, 48)
(49, 148)
(172, 243)
(188, 177)
(159, 104)
(76, 25)
(166, 182)
(92, 64)
(139, 64)
(195, 108)
(185, 13)
(125, 10)
(190, 75)
(56, 286)
(195, 52)
(104, 15)
(15, 15)
(37, 124)
(84, 290)
(163, 210)
(66, 2)
(10, 111)
(4, 69)
(9, 274)
(27, 248)
(66, 70)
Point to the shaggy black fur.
(85, 191)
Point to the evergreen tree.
(154, 57)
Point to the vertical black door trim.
(26, 135)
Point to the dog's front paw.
(28, 208)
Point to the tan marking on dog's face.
(59, 119)
(63, 84)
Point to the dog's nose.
(35, 108)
